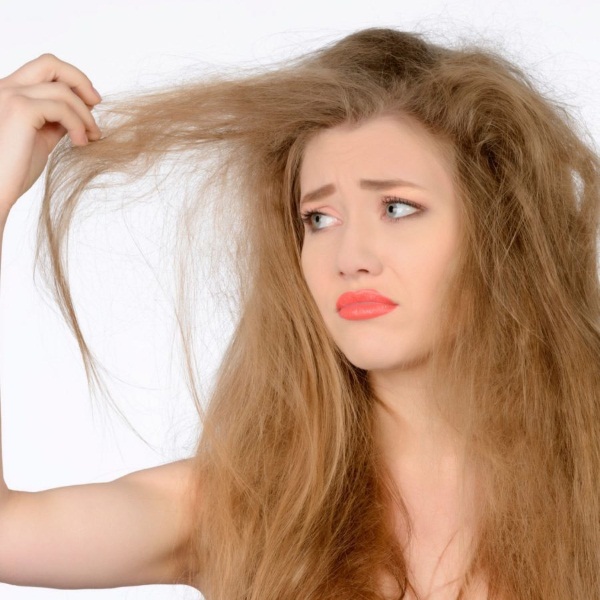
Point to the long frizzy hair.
(292, 499)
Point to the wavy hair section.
(293, 500)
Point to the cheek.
(425, 268)
(309, 271)
(315, 271)
(435, 273)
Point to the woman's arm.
(3, 487)
(130, 531)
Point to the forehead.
(384, 147)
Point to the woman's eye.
(316, 220)
(396, 209)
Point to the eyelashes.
(389, 202)
(307, 219)
(314, 219)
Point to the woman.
(409, 404)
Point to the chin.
(379, 361)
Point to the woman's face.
(381, 235)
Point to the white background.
(51, 435)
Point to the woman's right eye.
(316, 220)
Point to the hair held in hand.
(292, 499)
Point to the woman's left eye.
(395, 208)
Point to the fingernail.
(97, 93)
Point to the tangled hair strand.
(293, 500)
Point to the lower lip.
(365, 310)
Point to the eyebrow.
(377, 185)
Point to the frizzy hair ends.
(292, 499)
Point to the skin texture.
(131, 531)
(39, 103)
(406, 254)
(354, 241)
(142, 521)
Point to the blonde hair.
(292, 499)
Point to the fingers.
(51, 89)
(60, 92)
(48, 68)
(52, 111)
(40, 102)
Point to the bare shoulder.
(131, 531)
(174, 479)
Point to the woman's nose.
(357, 249)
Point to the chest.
(441, 541)
(437, 566)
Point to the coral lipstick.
(363, 304)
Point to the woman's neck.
(425, 459)
(410, 428)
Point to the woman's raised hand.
(39, 103)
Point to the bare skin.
(426, 463)
(130, 531)
(364, 232)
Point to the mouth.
(363, 304)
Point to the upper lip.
(361, 296)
